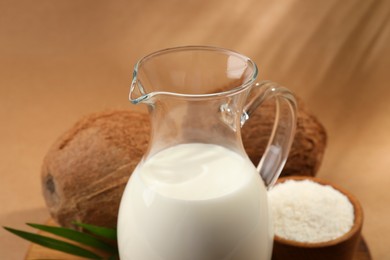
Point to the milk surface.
(195, 202)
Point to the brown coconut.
(85, 171)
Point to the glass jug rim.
(248, 82)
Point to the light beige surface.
(62, 59)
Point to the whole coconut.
(86, 170)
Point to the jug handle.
(282, 135)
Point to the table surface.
(60, 60)
(38, 252)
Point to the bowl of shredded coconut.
(314, 219)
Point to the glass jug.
(195, 195)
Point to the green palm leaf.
(82, 238)
(54, 244)
(99, 231)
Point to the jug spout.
(137, 92)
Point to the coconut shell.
(85, 171)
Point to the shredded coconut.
(306, 211)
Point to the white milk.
(195, 202)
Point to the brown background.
(60, 60)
